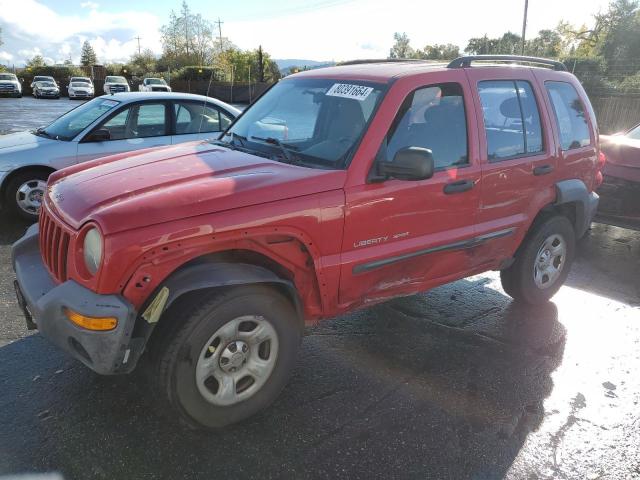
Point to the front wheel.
(542, 263)
(228, 358)
(24, 193)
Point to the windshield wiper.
(42, 132)
(285, 149)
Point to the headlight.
(92, 250)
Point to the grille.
(117, 88)
(7, 87)
(158, 89)
(54, 245)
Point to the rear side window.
(433, 118)
(571, 117)
(511, 119)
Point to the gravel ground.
(456, 383)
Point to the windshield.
(6, 76)
(634, 133)
(155, 81)
(314, 122)
(75, 121)
(46, 84)
(80, 84)
(42, 79)
(81, 80)
(115, 80)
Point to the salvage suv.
(339, 188)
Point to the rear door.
(198, 121)
(133, 127)
(517, 155)
(400, 236)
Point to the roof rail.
(382, 60)
(463, 62)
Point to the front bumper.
(44, 300)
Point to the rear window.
(571, 118)
(511, 119)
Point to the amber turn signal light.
(100, 324)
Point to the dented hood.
(159, 185)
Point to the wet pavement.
(456, 383)
(17, 114)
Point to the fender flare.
(201, 276)
(575, 191)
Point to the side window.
(433, 118)
(138, 121)
(570, 115)
(117, 124)
(511, 119)
(192, 117)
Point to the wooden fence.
(616, 112)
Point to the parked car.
(103, 126)
(338, 189)
(42, 78)
(43, 89)
(620, 191)
(154, 85)
(81, 80)
(115, 84)
(10, 85)
(80, 89)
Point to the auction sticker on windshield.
(345, 90)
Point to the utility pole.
(219, 23)
(138, 38)
(524, 24)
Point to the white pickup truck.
(154, 85)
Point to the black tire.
(518, 280)
(12, 189)
(174, 353)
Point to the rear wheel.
(24, 193)
(228, 358)
(542, 263)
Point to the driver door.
(133, 127)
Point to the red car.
(338, 189)
(620, 191)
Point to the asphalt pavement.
(456, 383)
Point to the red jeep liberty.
(337, 189)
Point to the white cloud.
(6, 56)
(57, 35)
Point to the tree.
(401, 48)
(548, 43)
(36, 62)
(446, 51)
(143, 62)
(187, 39)
(88, 55)
(1, 42)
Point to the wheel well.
(17, 171)
(565, 209)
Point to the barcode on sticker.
(345, 90)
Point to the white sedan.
(106, 125)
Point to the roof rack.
(463, 62)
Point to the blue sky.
(311, 29)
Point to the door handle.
(458, 187)
(543, 170)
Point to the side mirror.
(409, 163)
(100, 135)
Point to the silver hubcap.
(29, 196)
(237, 360)
(550, 261)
